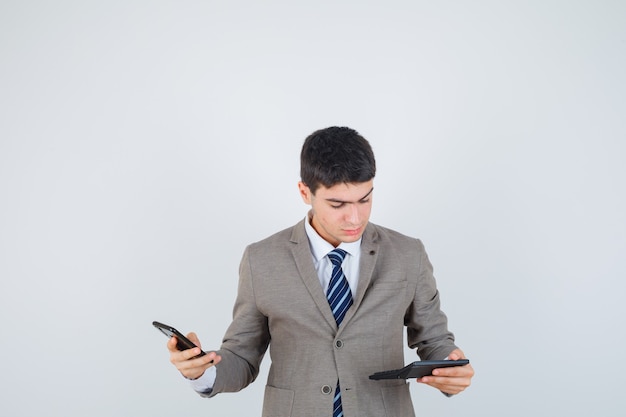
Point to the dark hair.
(336, 155)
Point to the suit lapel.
(304, 262)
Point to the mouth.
(352, 232)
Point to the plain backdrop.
(144, 144)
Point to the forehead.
(352, 191)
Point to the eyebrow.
(335, 200)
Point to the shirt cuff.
(205, 382)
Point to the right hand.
(182, 360)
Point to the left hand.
(451, 380)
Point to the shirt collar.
(320, 247)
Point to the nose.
(353, 215)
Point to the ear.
(305, 192)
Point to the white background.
(143, 144)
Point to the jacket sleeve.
(246, 339)
(427, 325)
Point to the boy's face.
(341, 212)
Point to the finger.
(204, 361)
(455, 371)
(461, 377)
(447, 385)
(181, 359)
(456, 354)
(194, 368)
(446, 380)
(212, 357)
(188, 360)
(194, 338)
(188, 354)
(171, 344)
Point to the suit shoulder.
(278, 239)
(390, 236)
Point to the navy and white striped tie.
(340, 299)
(338, 294)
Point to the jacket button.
(338, 344)
(326, 389)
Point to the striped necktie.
(338, 294)
(340, 299)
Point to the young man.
(331, 297)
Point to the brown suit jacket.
(281, 304)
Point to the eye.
(337, 206)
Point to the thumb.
(456, 354)
(194, 338)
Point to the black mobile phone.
(417, 369)
(182, 342)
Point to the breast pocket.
(389, 285)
